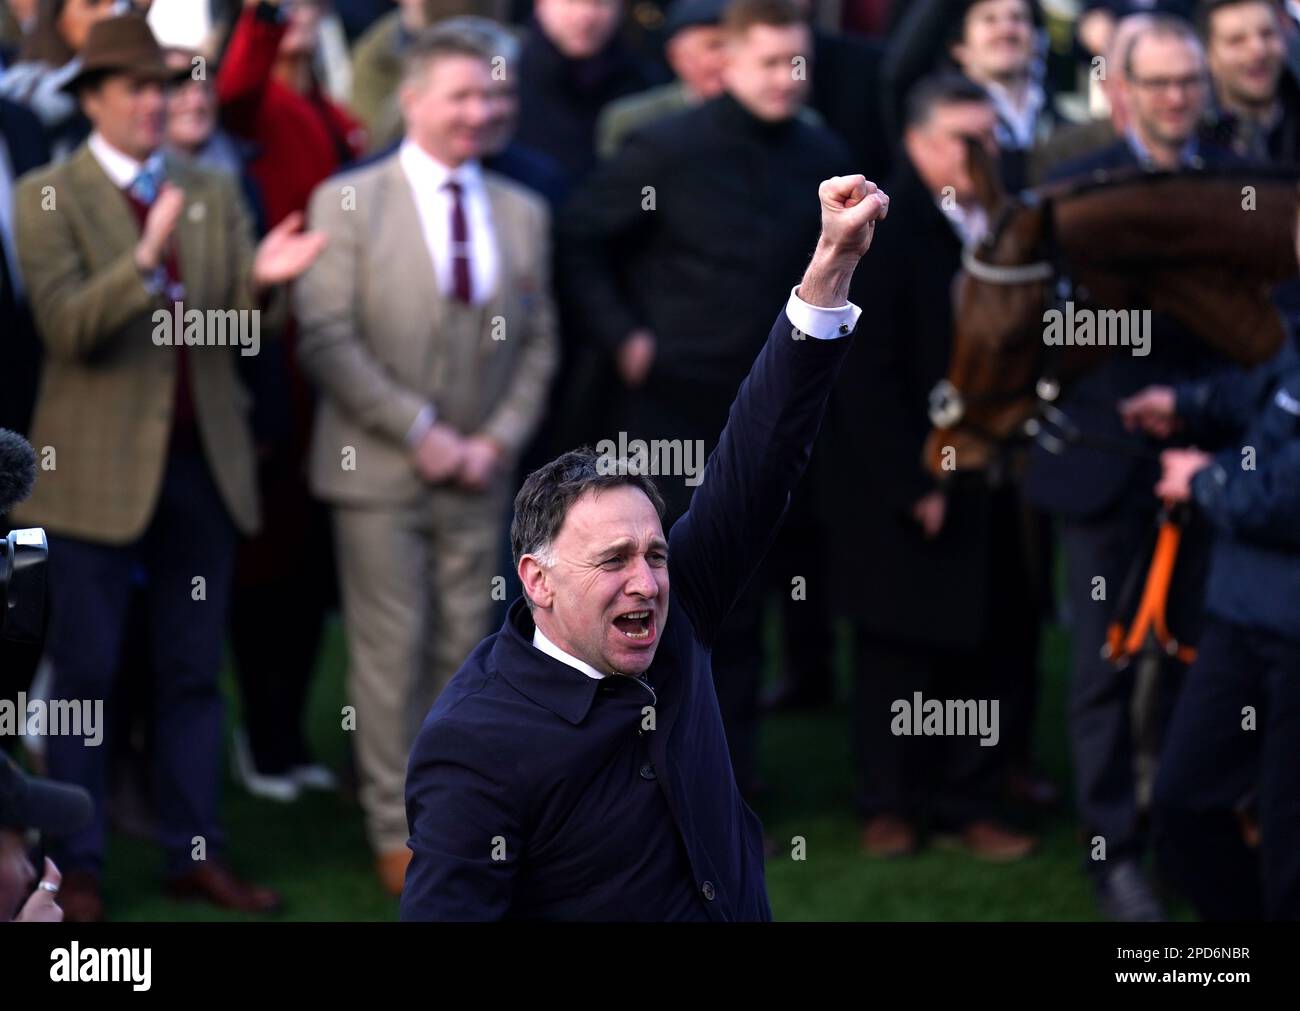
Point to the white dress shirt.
(550, 649)
(1017, 123)
(433, 202)
(120, 168)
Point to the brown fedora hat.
(123, 45)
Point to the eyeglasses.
(1192, 83)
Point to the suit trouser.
(1101, 696)
(190, 536)
(1213, 759)
(416, 582)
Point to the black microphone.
(17, 469)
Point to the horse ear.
(982, 168)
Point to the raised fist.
(851, 206)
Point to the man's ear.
(533, 576)
(985, 178)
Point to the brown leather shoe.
(79, 897)
(887, 835)
(391, 867)
(213, 881)
(989, 840)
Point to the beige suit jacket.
(376, 333)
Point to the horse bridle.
(948, 404)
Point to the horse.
(1204, 247)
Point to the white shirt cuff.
(820, 322)
(421, 425)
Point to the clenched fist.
(851, 206)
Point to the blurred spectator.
(937, 581)
(378, 56)
(155, 468)
(16, 19)
(427, 325)
(694, 50)
(1074, 142)
(1226, 808)
(846, 92)
(1255, 103)
(270, 97)
(284, 579)
(501, 152)
(192, 130)
(573, 64)
(47, 61)
(1104, 499)
(995, 44)
(668, 288)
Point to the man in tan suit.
(145, 286)
(428, 326)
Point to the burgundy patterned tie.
(461, 287)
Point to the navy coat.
(536, 792)
(1255, 565)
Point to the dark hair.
(1206, 9)
(548, 492)
(742, 15)
(956, 33)
(944, 88)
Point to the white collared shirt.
(120, 168)
(550, 649)
(1017, 124)
(433, 202)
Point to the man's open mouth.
(636, 624)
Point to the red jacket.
(301, 139)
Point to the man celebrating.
(576, 767)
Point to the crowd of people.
(476, 234)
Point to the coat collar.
(548, 682)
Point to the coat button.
(706, 890)
(648, 771)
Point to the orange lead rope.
(1150, 619)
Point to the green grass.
(315, 851)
